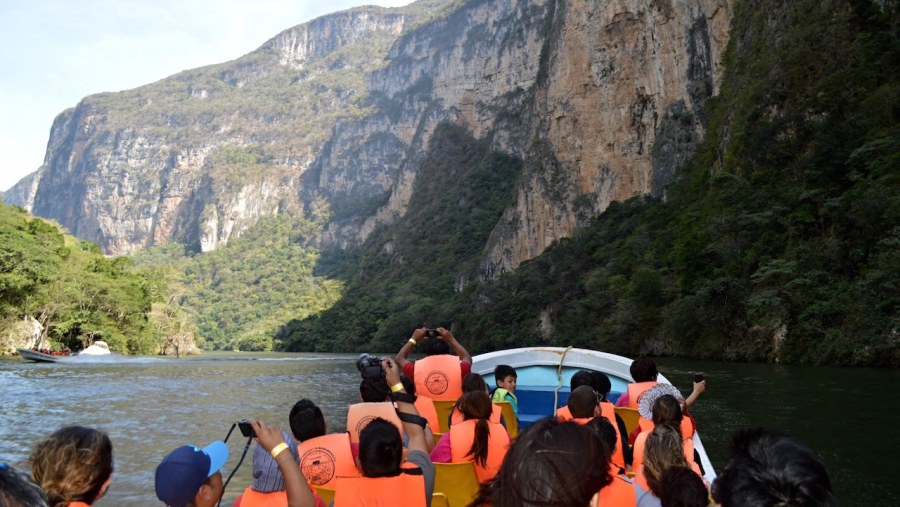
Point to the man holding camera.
(439, 374)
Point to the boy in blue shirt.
(505, 377)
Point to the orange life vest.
(462, 436)
(439, 377)
(636, 390)
(78, 504)
(324, 459)
(425, 408)
(359, 415)
(687, 427)
(457, 417)
(253, 498)
(563, 413)
(619, 493)
(640, 443)
(406, 489)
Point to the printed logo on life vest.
(437, 382)
(318, 465)
(363, 422)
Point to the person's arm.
(461, 351)
(414, 432)
(418, 336)
(699, 387)
(298, 492)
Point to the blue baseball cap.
(181, 473)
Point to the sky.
(55, 52)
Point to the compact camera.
(246, 429)
(432, 333)
(369, 366)
(698, 377)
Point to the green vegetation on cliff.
(238, 295)
(73, 291)
(780, 242)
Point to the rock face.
(601, 100)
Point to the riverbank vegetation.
(74, 292)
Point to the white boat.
(544, 374)
(98, 348)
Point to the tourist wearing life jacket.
(663, 450)
(474, 382)
(191, 476)
(475, 439)
(601, 386)
(73, 466)
(375, 402)
(583, 404)
(553, 464)
(323, 457)
(385, 481)
(622, 491)
(268, 488)
(505, 377)
(643, 372)
(439, 374)
(666, 409)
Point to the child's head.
(505, 376)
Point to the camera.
(369, 366)
(432, 333)
(698, 377)
(246, 429)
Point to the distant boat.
(98, 348)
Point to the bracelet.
(396, 388)
(277, 449)
(289, 457)
(413, 341)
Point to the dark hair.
(502, 371)
(581, 378)
(643, 369)
(474, 382)
(380, 449)
(17, 489)
(601, 383)
(435, 347)
(667, 410)
(306, 420)
(374, 390)
(477, 405)
(582, 402)
(664, 449)
(73, 464)
(605, 430)
(551, 464)
(682, 487)
(769, 468)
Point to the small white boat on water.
(544, 374)
(97, 349)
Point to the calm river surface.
(149, 406)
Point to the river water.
(150, 406)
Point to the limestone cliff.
(601, 100)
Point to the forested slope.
(780, 241)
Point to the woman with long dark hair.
(475, 439)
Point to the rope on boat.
(559, 367)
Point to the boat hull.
(40, 357)
(544, 374)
